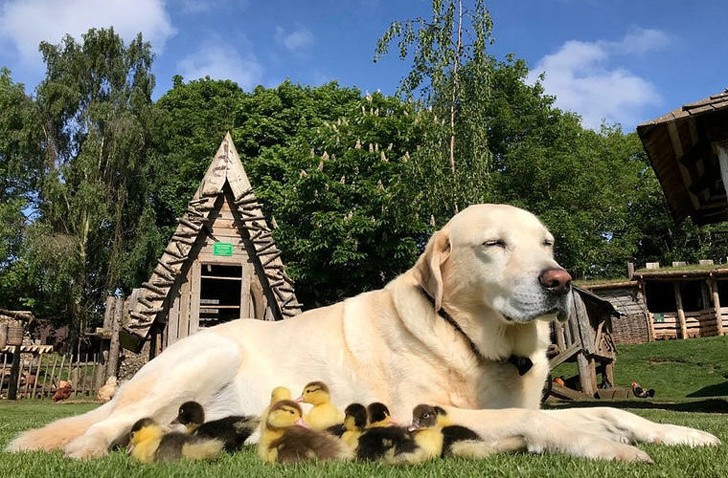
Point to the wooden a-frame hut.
(221, 264)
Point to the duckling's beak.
(175, 421)
(129, 448)
(299, 399)
(302, 423)
(415, 425)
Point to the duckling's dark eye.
(495, 243)
(426, 415)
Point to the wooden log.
(188, 224)
(252, 218)
(248, 202)
(150, 287)
(173, 253)
(271, 259)
(145, 302)
(680, 310)
(46, 386)
(183, 252)
(112, 366)
(164, 275)
(155, 297)
(167, 267)
(269, 252)
(261, 250)
(246, 193)
(107, 312)
(189, 239)
(193, 211)
(162, 283)
(2, 372)
(14, 374)
(587, 374)
(199, 201)
(713, 285)
(3, 336)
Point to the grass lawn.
(688, 376)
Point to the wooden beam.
(680, 310)
(713, 285)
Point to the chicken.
(640, 392)
(65, 388)
(107, 390)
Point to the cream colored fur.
(390, 345)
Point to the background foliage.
(93, 172)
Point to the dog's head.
(497, 258)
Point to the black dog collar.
(522, 364)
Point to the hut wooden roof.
(225, 173)
(682, 147)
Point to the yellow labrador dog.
(466, 328)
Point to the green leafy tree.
(21, 167)
(95, 106)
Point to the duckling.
(148, 443)
(232, 430)
(285, 439)
(324, 414)
(382, 439)
(378, 416)
(455, 440)
(355, 421)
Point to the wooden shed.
(634, 323)
(677, 302)
(221, 264)
(688, 149)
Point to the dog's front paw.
(86, 447)
(679, 435)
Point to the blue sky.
(625, 61)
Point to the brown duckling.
(285, 439)
(232, 430)
(148, 443)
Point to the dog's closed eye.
(495, 243)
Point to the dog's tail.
(59, 433)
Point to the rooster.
(64, 391)
(640, 392)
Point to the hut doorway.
(221, 293)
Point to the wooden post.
(713, 284)
(14, 374)
(112, 367)
(3, 334)
(587, 374)
(680, 311)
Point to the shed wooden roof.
(683, 148)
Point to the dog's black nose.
(556, 280)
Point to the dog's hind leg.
(58, 434)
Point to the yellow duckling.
(324, 414)
(148, 443)
(285, 439)
(355, 421)
(232, 430)
(379, 416)
(455, 440)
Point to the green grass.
(688, 375)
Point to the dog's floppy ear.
(428, 268)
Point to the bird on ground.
(379, 416)
(232, 430)
(457, 440)
(640, 392)
(149, 443)
(355, 421)
(382, 438)
(65, 388)
(108, 389)
(324, 413)
(286, 439)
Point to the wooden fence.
(702, 323)
(40, 373)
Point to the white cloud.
(584, 78)
(25, 23)
(222, 63)
(296, 41)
